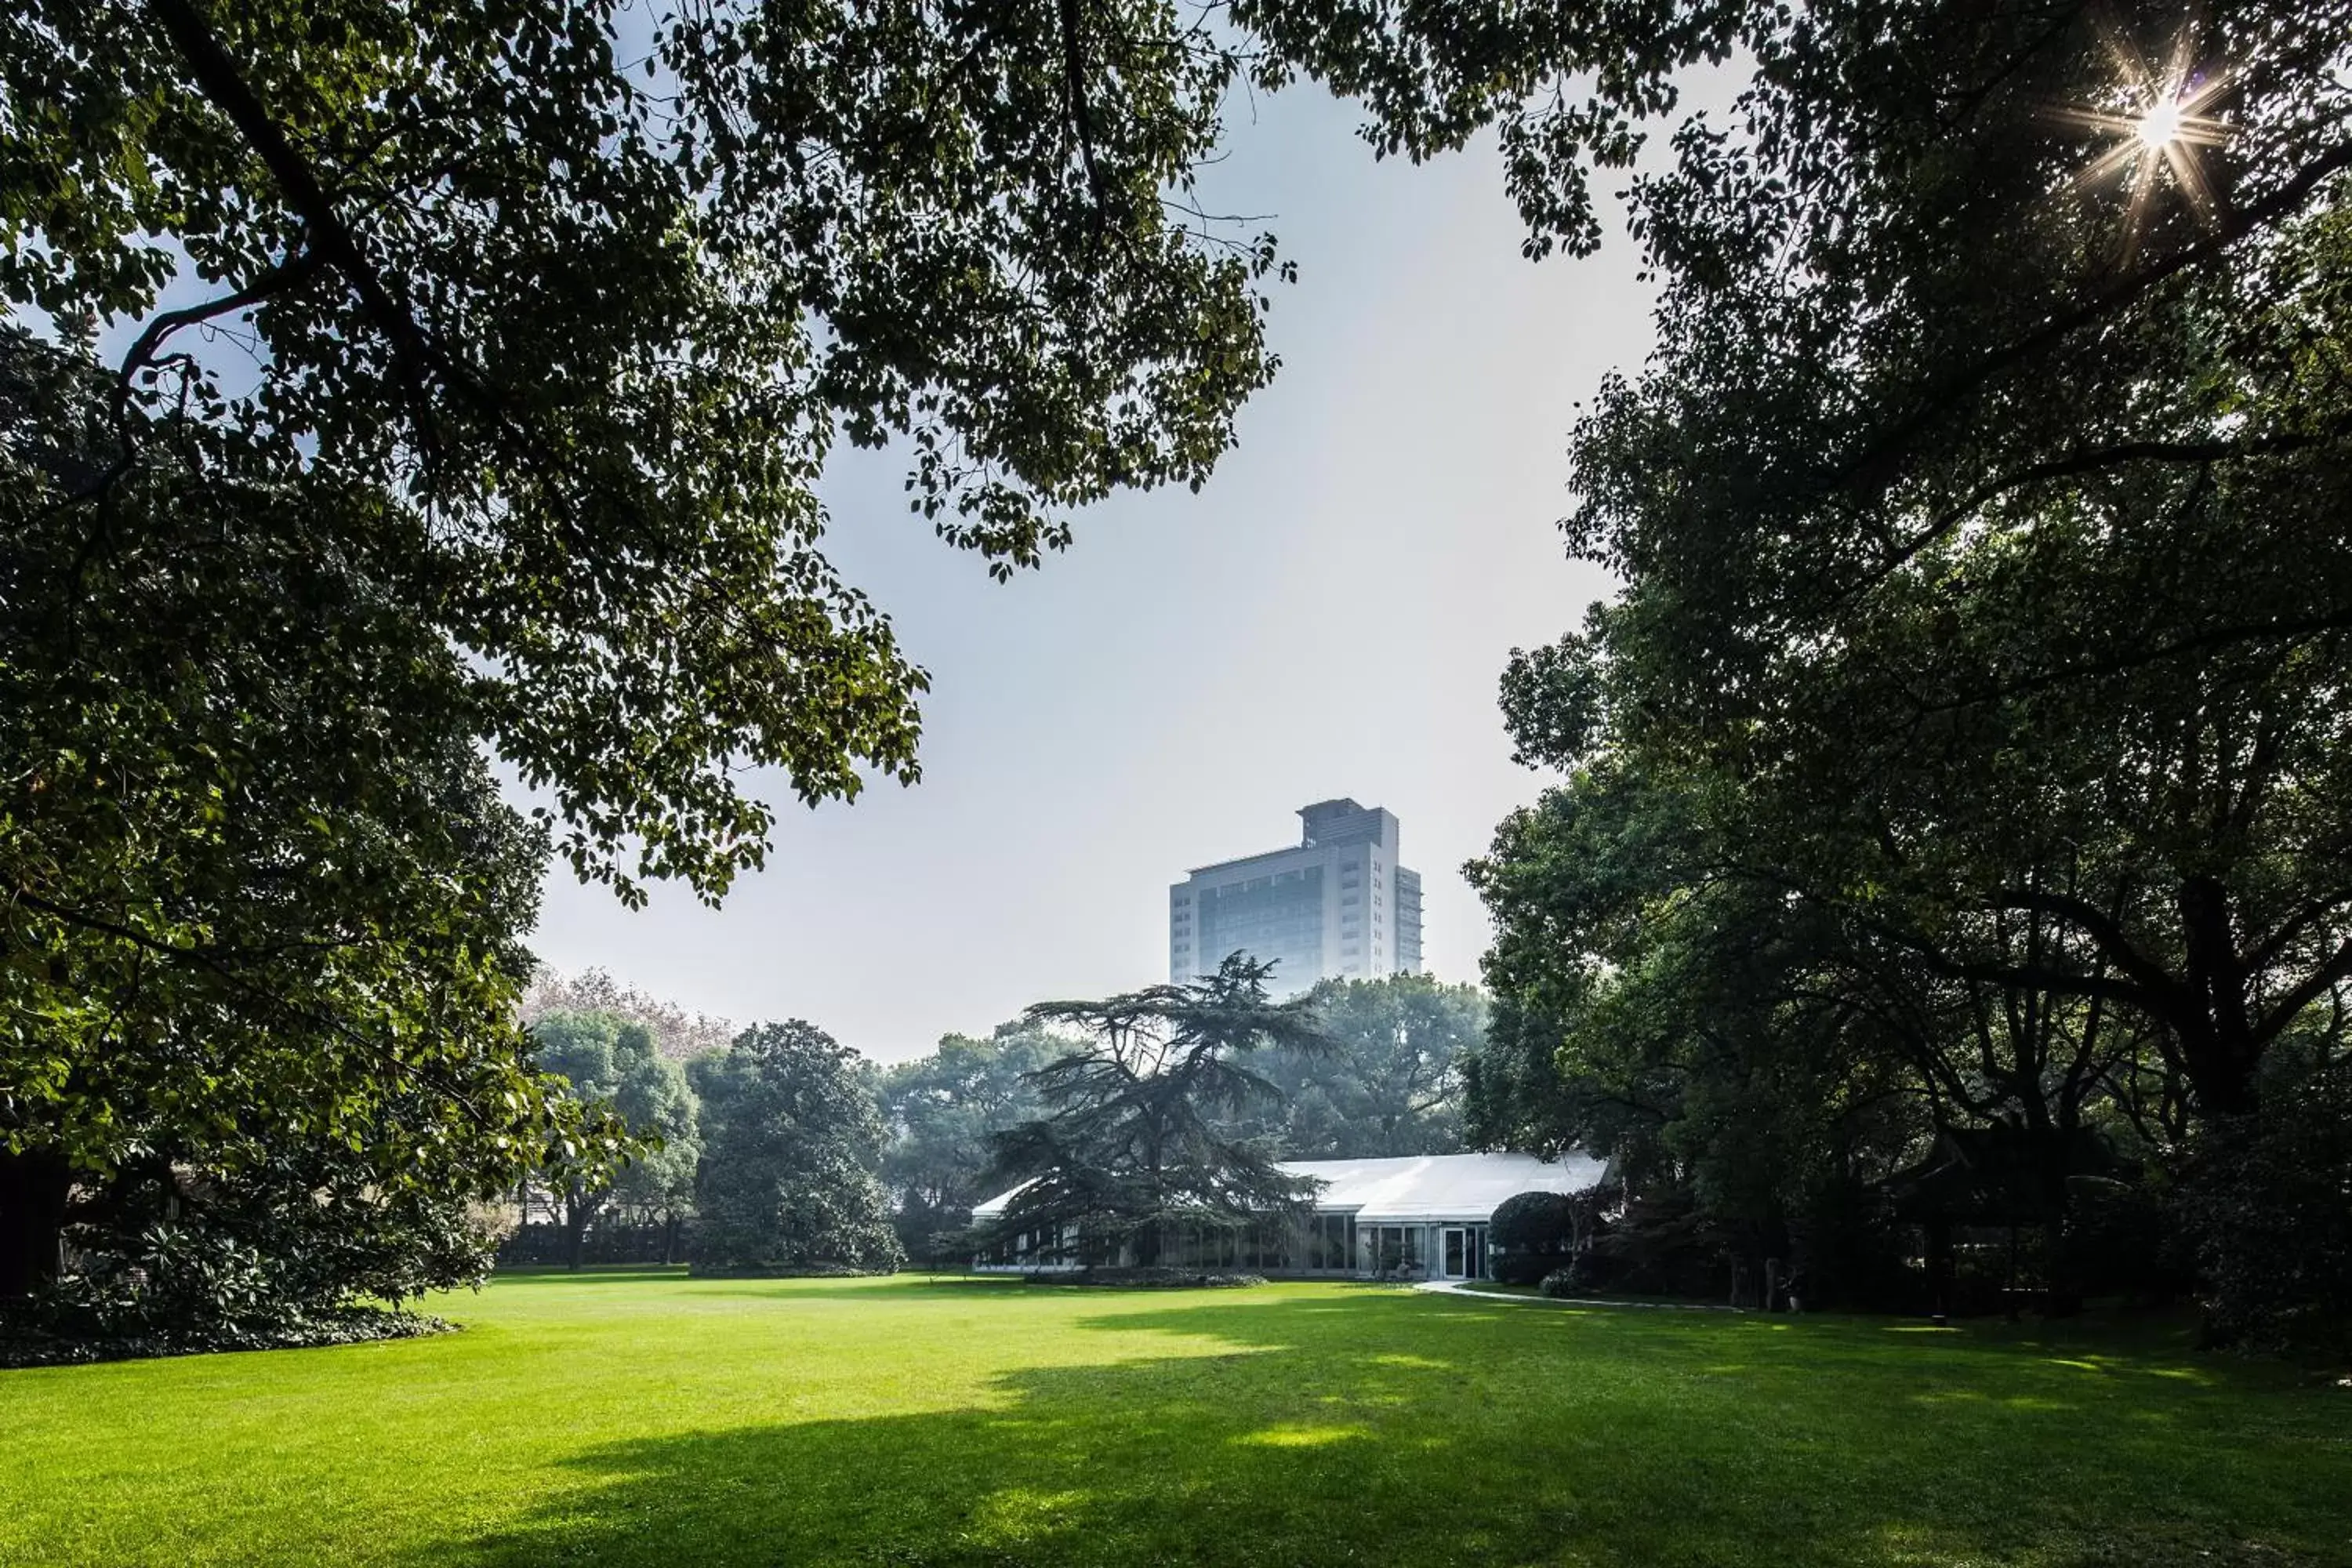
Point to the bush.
(1564, 1282)
(2124, 1238)
(41, 1334)
(245, 1279)
(819, 1269)
(1529, 1234)
(1847, 1249)
(610, 1239)
(950, 1249)
(2268, 1209)
(301, 1250)
(1663, 1245)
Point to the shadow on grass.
(1381, 1428)
(898, 1286)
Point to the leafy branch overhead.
(589, 294)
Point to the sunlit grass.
(650, 1420)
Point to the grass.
(643, 1419)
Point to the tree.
(1981, 563)
(942, 1111)
(1988, 480)
(2271, 1219)
(678, 1035)
(1133, 1142)
(616, 1067)
(1981, 518)
(791, 1145)
(1792, 1067)
(534, 361)
(2009, 577)
(247, 967)
(1387, 1084)
(1531, 1234)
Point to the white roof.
(1420, 1186)
(1440, 1187)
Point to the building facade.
(1337, 906)
(1417, 1218)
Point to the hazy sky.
(1328, 617)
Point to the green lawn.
(644, 1419)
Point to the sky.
(1327, 616)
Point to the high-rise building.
(1337, 906)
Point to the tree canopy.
(1959, 780)
(943, 1111)
(677, 1033)
(582, 296)
(2005, 578)
(791, 1145)
(259, 928)
(387, 385)
(615, 1066)
(1387, 1081)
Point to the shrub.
(1529, 1234)
(242, 1276)
(301, 1250)
(1563, 1282)
(2124, 1238)
(1847, 1249)
(2269, 1209)
(1663, 1245)
(816, 1269)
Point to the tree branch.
(1873, 467)
(224, 85)
(2318, 984)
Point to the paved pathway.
(1457, 1288)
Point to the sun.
(2160, 126)
(2160, 122)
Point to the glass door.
(1457, 1252)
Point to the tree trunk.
(2059, 1298)
(34, 1191)
(575, 1229)
(1939, 1268)
(2218, 1048)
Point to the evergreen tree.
(792, 1149)
(1135, 1142)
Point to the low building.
(1418, 1217)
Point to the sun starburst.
(2160, 126)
